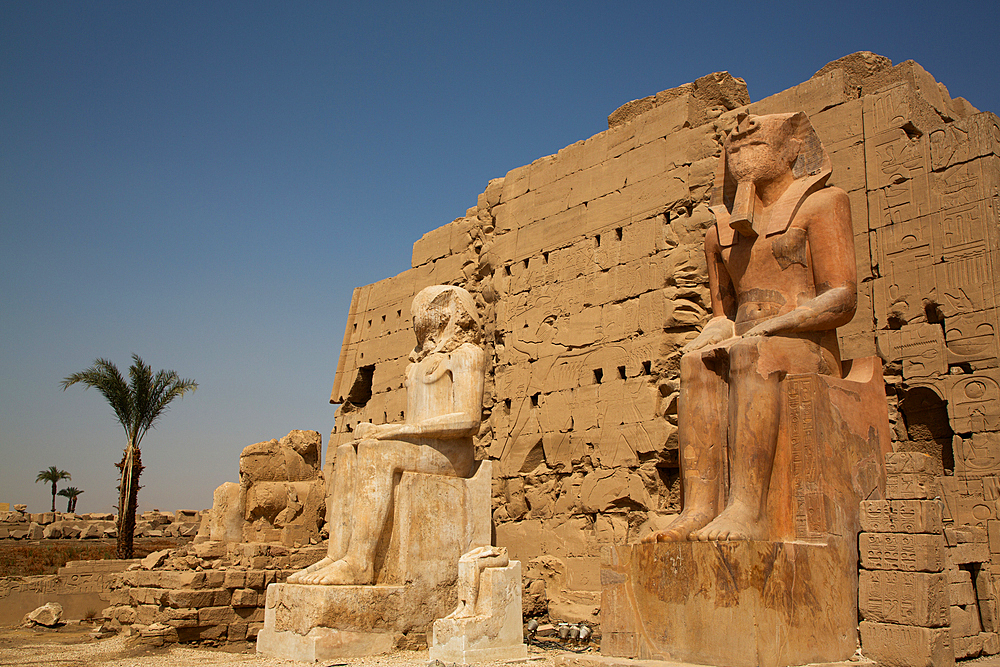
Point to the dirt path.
(72, 646)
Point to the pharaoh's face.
(430, 319)
(761, 148)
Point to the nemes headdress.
(736, 205)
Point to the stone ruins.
(589, 275)
(280, 496)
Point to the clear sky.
(204, 183)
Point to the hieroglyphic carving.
(810, 506)
(921, 346)
(913, 598)
(974, 402)
(965, 140)
(900, 516)
(977, 455)
(901, 551)
(898, 182)
(972, 338)
(906, 258)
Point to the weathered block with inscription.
(80, 587)
(906, 598)
(911, 486)
(907, 645)
(900, 516)
(902, 551)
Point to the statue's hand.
(770, 327)
(717, 330)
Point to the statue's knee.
(692, 365)
(743, 355)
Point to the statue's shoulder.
(829, 203)
(467, 350)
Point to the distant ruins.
(588, 271)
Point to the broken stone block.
(48, 615)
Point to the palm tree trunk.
(128, 495)
(54, 496)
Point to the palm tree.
(53, 475)
(70, 493)
(138, 404)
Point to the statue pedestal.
(494, 632)
(316, 623)
(741, 604)
(435, 520)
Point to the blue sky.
(204, 183)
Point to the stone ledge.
(578, 660)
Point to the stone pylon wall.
(589, 272)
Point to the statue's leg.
(754, 411)
(340, 511)
(470, 565)
(377, 464)
(701, 417)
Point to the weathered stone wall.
(18, 525)
(208, 591)
(81, 587)
(589, 272)
(281, 495)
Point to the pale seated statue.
(782, 275)
(444, 398)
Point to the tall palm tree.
(138, 404)
(70, 493)
(53, 475)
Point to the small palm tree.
(138, 404)
(70, 493)
(53, 475)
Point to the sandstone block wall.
(20, 525)
(208, 591)
(588, 269)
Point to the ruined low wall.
(81, 587)
(62, 526)
(208, 591)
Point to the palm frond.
(53, 475)
(105, 377)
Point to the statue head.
(766, 149)
(444, 318)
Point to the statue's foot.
(297, 577)
(338, 573)
(735, 523)
(681, 527)
(461, 611)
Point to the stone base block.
(494, 632)
(907, 645)
(345, 621)
(322, 644)
(741, 604)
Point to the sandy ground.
(72, 646)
